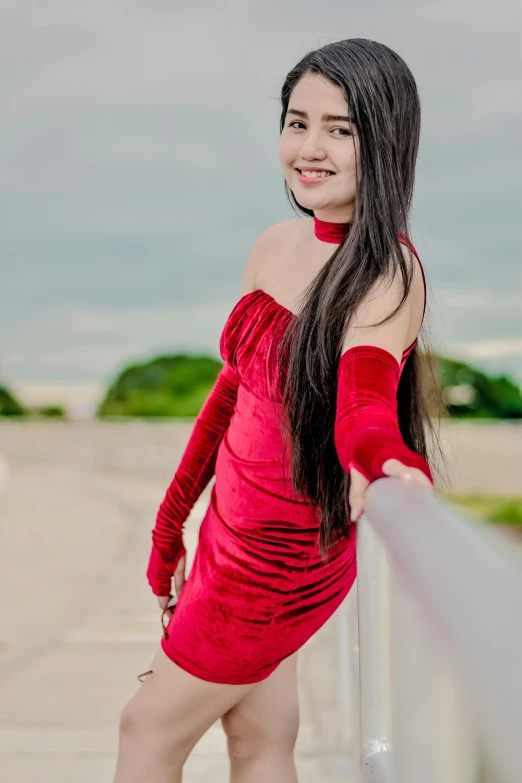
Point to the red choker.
(331, 232)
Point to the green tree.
(9, 405)
(489, 397)
(176, 385)
(52, 412)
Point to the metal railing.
(439, 601)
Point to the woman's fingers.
(163, 601)
(179, 575)
(358, 486)
(179, 581)
(392, 467)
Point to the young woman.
(319, 395)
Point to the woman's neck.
(343, 214)
(330, 231)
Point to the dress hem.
(195, 672)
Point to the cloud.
(489, 349)
(480, 300)
(139, 162)
(96, 343)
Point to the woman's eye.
(344, 132)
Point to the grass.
(503, 510)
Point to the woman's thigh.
(268, 714)
(176, 706)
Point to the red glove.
(192, 476)
(366, 431)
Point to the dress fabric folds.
(258, 588)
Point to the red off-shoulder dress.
(258, 588)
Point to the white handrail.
(440, 639)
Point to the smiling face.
(318, 149)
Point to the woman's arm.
(192, 476)
(367, 434)
(199, 458)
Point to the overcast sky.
(139, 164)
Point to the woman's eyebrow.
(325, 117)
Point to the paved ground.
(78, 621)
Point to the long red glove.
(192, 476)
(366, 431)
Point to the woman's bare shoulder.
(274, 238)
(291, 228)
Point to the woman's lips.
(312, 180)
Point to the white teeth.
(315, 174)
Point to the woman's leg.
(262, 729)
(162, 722)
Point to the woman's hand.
(179, 581)
(392, 467)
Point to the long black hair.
(382, 97)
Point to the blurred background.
(139, 164)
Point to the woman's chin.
(317, 201)
(309, 201)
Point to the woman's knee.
(266, 720)
(141, 727)
(147, 751)
(128, 723)
(250, 735)
(133, 721)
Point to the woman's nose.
(312, 148)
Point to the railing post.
(348, 657)
(440, 639)
(433, 732)
(373, 577)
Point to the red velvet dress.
(258, 588)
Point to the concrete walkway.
(78, 623)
